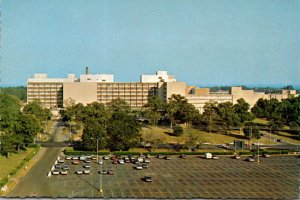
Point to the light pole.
(258, 151)
(100, 189)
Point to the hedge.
(271, 151)
(74, 152)
(21, 164)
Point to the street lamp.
(100, 189)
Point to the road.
(35, 180)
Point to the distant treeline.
(19, 91)
(267, 90)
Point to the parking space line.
(129, 187)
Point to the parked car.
(111, 172)
(160, 156)
(79, 171)
(266, 155)
(75, 158)
(101, 162)
(65, 167)
(121, 161)
(147, 160)
(94, 158)
(236, 157)
(148, 156)
(182, 156)
(208, 155)
(64, 172)
(61, 160)
(249, 159)
(87, 166)
(82, 158)
(86, 171)
(68, 157)
(106, 157)
(104, 171)
(147, 179)
(144, 165)
(75, 162)
(127, 160)
(138, 166)
(87, 160)
(55, 172)
(167, 157)
(57, 166)
(115, 161)
(215, 157)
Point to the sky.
(202, 42)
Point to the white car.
(68, 157)
(147, 160)
(140, 159)
(121, 161)
(64, 172)
(78, 172)
(101, 162)
(55, 172)
(61, 161)
(139, 167)
(86, 171)
(106, 157)
(75, 158)
(83, 158)
(87, 166)
(215, 157)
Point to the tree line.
(19, 127)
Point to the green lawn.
(10, 163)
(165, 134)
(154, 132)
(260, 121)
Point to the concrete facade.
(53, 92)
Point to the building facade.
(54, 92)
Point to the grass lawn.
(165, 134)
(260, 121)
(154, 132)
(10, 163)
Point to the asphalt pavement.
(34, 182)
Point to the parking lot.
(193, 177)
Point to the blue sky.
(203, 42)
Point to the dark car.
(182, 156)
(147, 179)
(65, 167)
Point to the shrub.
(177, 130)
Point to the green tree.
(123, 131)
(251, 131)
(241, 108)
(180, 111)
(9, 112)
(227, 115)
(177, 130)
(210, 118)
(191, 141)
(155, 109)
(92, 132)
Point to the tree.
(95, 117)
(28, 127)
(251, 131)
(210, 117)
(123, 131)
(92, 132)
(9, 112)
(177, 130)
(35, 108)
(155, 109)
(192, 141)
(227, 115)
(241, 108)
(180, 111)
